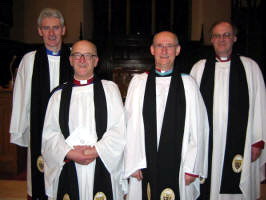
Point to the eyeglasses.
(167, 46)
(48, 28)
(224, 36)
(86, 56)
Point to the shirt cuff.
(193, 175)
(66, 160)
(259, 144)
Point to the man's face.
(164, 49)
(83, 58)
(223, 39)
(52, 31)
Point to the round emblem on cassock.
(237, 163)
(100, 196)
(167, 194)
(66, 197)
(40, 163)
(149, 191)
(202, 180)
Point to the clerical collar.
(53, 53)
(223, 59)
(160, 72)
(83, 82)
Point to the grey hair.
(234, 28)
(50, 12)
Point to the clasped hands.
(82, 155)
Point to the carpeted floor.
(13, 190)
(13, 187)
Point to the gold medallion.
(66, 197)
(149, 191)
(100, 196)
(202, 180)
(237, 163)
(167, 194)
(40, 163)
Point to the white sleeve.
(54, 147)
(111, 147)
(197, 70)
(196, 136)
(20, 118)
(195, 140)
(135, 156)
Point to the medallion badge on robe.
(100, 196)
(66, 197)
(40, 164)
(237, 163)
(167, 194)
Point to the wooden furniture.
(122, 77)
(12, 157)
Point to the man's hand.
(138, 175)
(83, 155)
(189, 179)
(91, 152)
(255, 153)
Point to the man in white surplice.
(223, 36)
(192, 154)
(83, 145)
(39, 72)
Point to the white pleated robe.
(20, 118)
(194, 155)
(83, 132)
(256, 128)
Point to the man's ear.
(70, 60)
(96, 61)
(63, 30)
(178, 49)
(235, 38)
(152, 49)
(39, 31)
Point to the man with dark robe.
(84, 134)
(38, 74)
(233, 89)
(167, 129)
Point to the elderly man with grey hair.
(39, 72)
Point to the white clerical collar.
(83, 82)
(223, 59)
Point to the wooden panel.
(122, 77)
(10, 154)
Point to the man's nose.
(82, 59)
(164, 49)
(51, 31)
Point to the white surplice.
(256, 129)
(194, 155)
(20, 118)
(83, 132)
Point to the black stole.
(40, 92)
(68, 183)
(237, 122)
(163, 165)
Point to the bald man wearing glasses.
(84, 134)
(167, 128)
